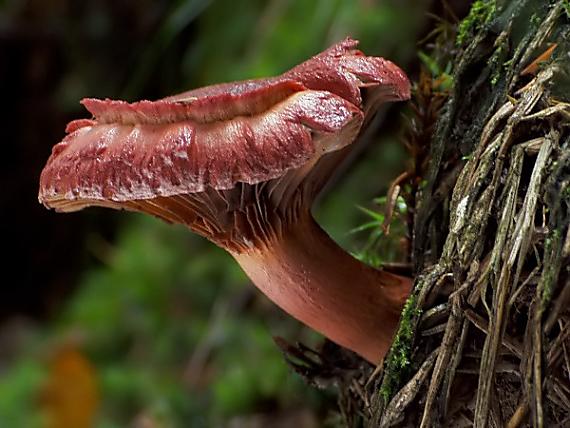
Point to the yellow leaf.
(70, 396)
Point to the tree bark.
(484, 338)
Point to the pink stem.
(310, 277)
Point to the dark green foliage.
(380, 247)
(172, 327)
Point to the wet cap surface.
(218, 136)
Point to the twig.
(406, 395)
(479, 322)
(447, 346)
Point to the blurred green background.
(118, 318)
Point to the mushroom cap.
(220, 136)
(235, 162)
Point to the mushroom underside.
(237, 219)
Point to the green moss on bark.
(398, 362)
(482, 12)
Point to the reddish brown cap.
(219, 137)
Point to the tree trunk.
(484, 338)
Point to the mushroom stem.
(313, 279)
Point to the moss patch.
(398, 363)
(480, 14)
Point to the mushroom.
(240, 164)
